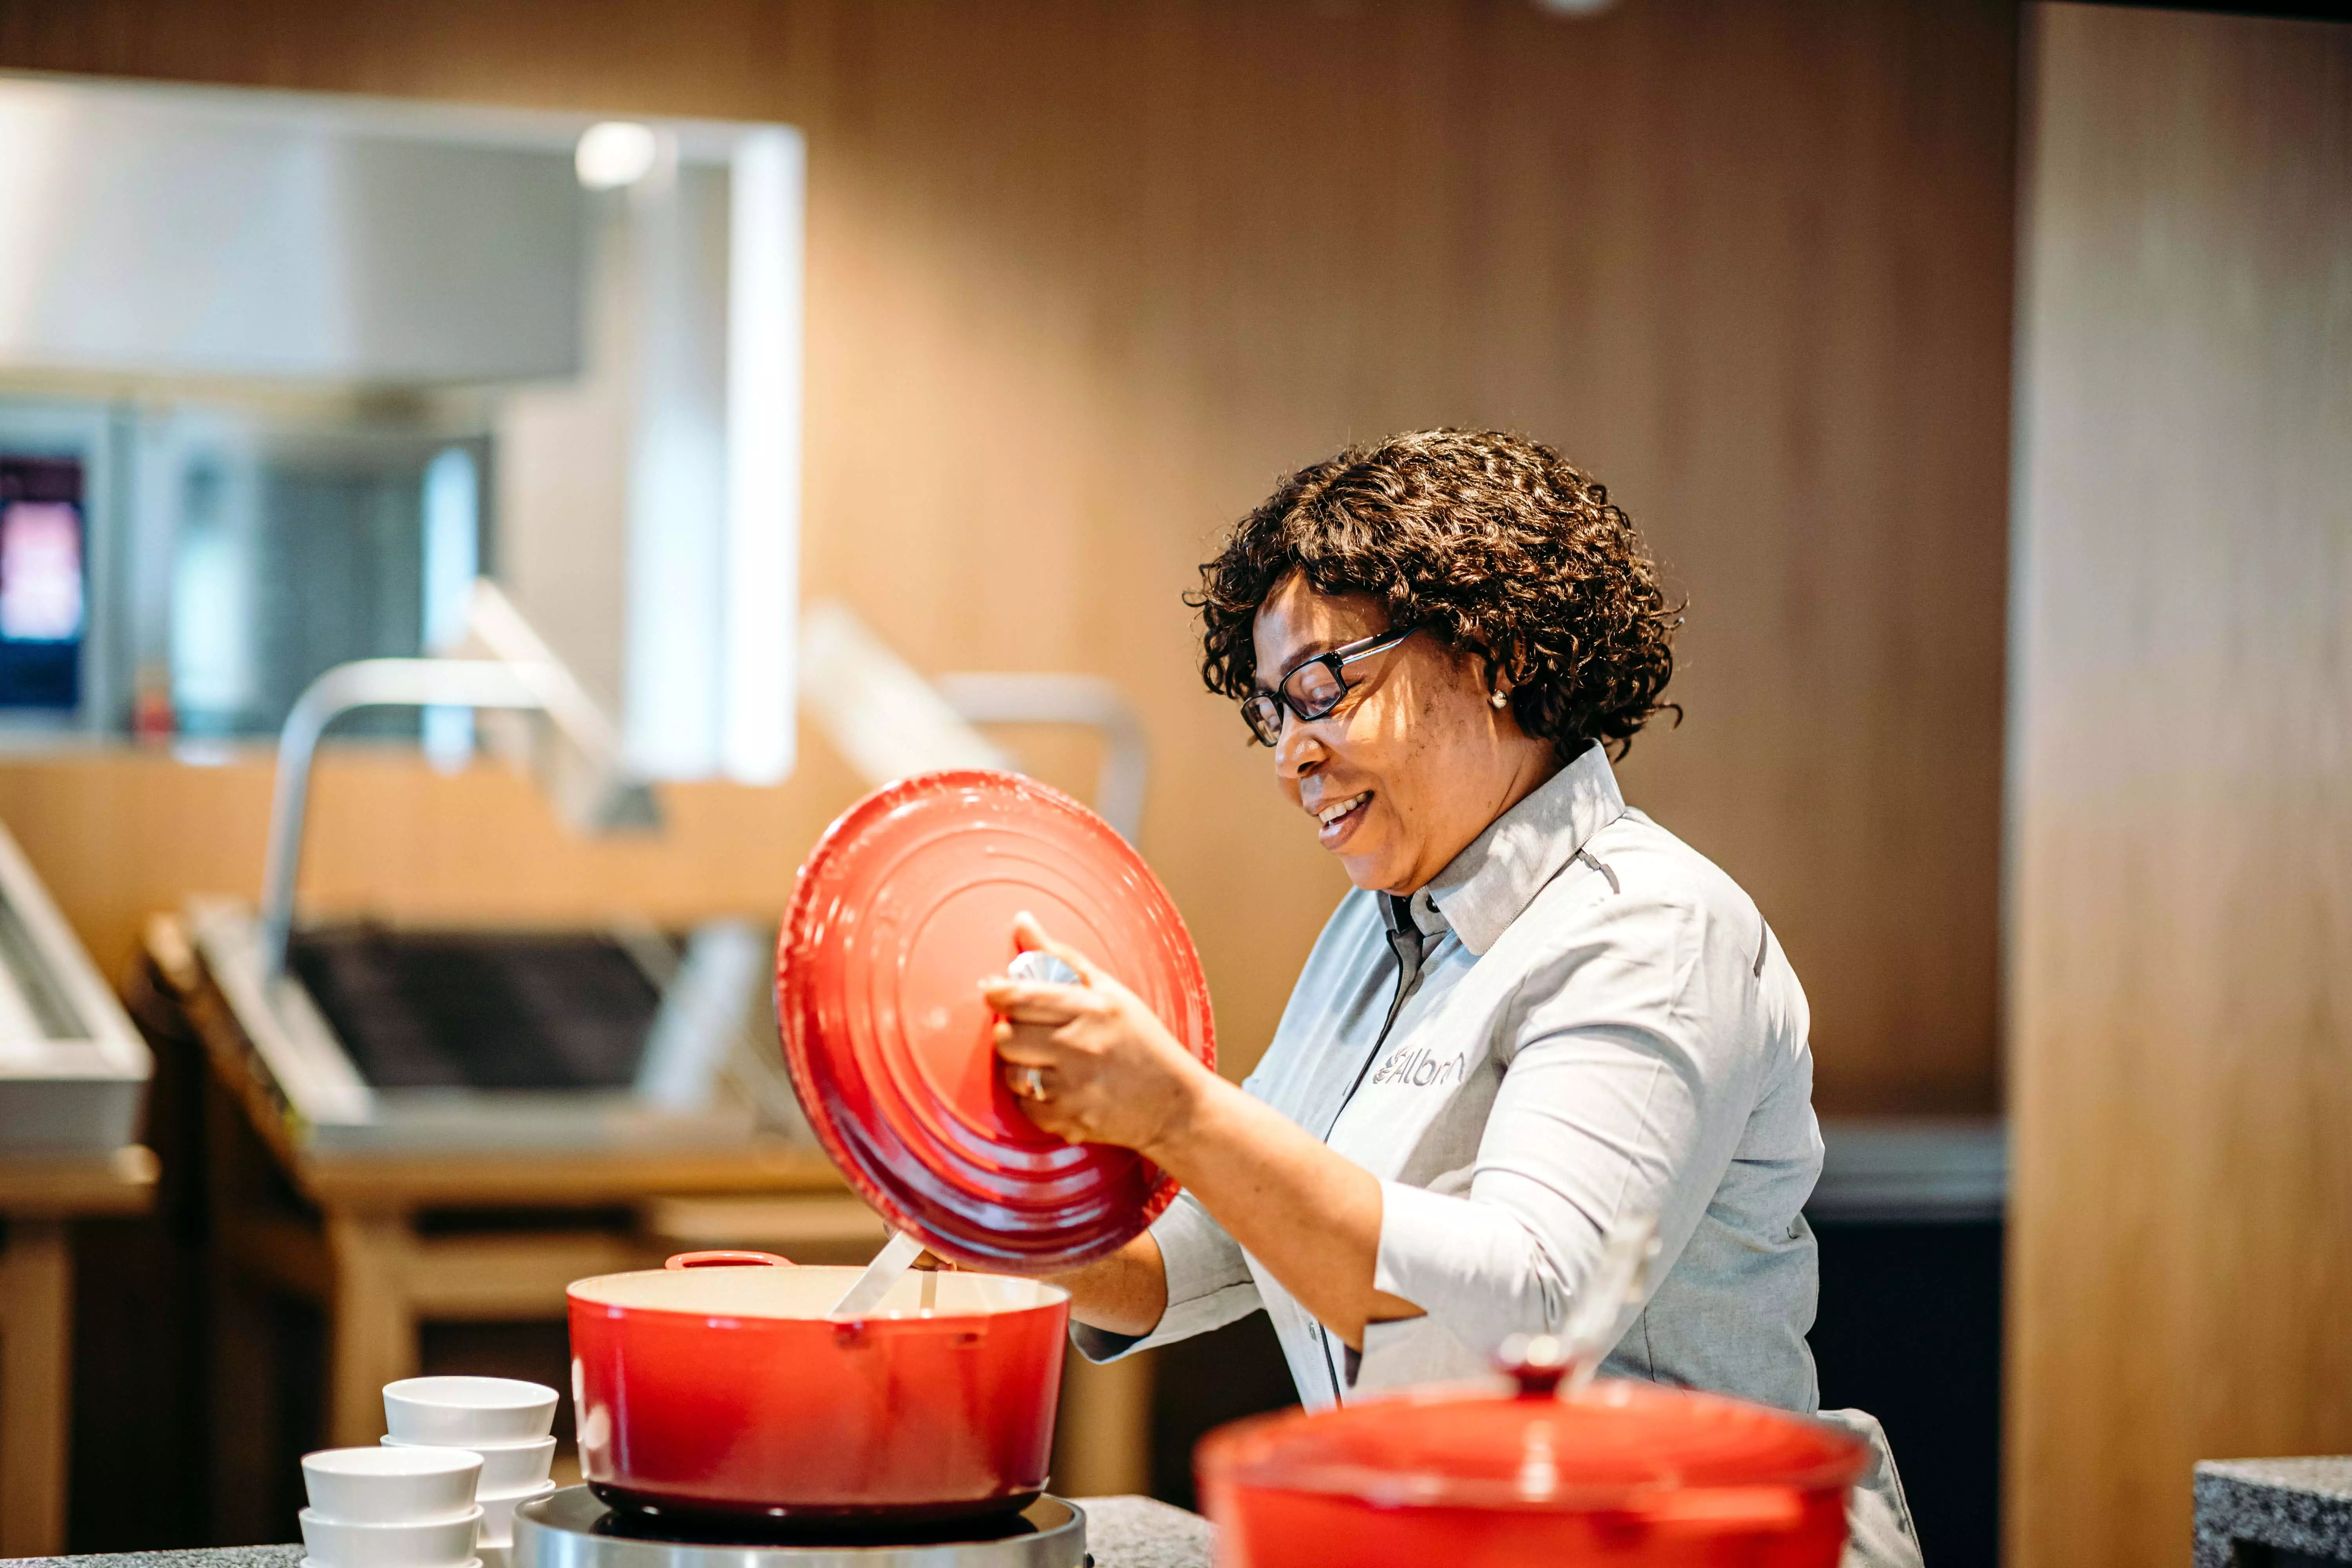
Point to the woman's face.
(1415, 761)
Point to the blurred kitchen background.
(667, 421)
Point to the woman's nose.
(1298, 752)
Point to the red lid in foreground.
(904, 906)
(1612, 1445)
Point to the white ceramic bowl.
(498, 1513)
(506, 1466)
(388, 1485)
(418, 1543)
(463, 1411)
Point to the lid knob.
(1535, 1362)
(1043, 967)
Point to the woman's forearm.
(1124, 1293)
(1310, 1216)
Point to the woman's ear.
(1495, 677)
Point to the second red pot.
(728, 1391)
(1622, 1473)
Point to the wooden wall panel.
(1085, 278)
(2181, 1065)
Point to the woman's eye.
(1315, 688)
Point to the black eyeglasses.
(1314, 686)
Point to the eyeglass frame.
(1334, 659)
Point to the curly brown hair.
(1493, 542)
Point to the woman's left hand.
(1110, 1069)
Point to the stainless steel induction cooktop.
(573, 1529)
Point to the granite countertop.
(1121, 1533)
(1137, 1532)
(2301, 1505)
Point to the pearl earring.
(1499, 699)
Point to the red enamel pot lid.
(904, 906)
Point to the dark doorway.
(1909, 1329)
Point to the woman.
(1536, 1013)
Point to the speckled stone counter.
(2271, 1513)
(193, 1557)
(1137, 1532)
(1121, 1533)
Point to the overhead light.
(615, 153)
(1569, 8)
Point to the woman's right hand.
(1107, 1069)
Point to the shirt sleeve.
(1626, 1093)
(1209, 1284)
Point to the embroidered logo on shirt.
(1419, 1069)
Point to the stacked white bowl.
(390, 1508)
(503, 1422)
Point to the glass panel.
(452, 557)
(297, 551)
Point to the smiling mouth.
(1331, 816)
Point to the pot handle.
(723, 1258)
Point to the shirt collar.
(1486, 887)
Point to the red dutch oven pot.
(719, 1385)
(1620, 1473)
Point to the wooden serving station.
(38, 1197)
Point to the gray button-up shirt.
(1602, 1024)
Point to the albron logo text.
(1421, 1069)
